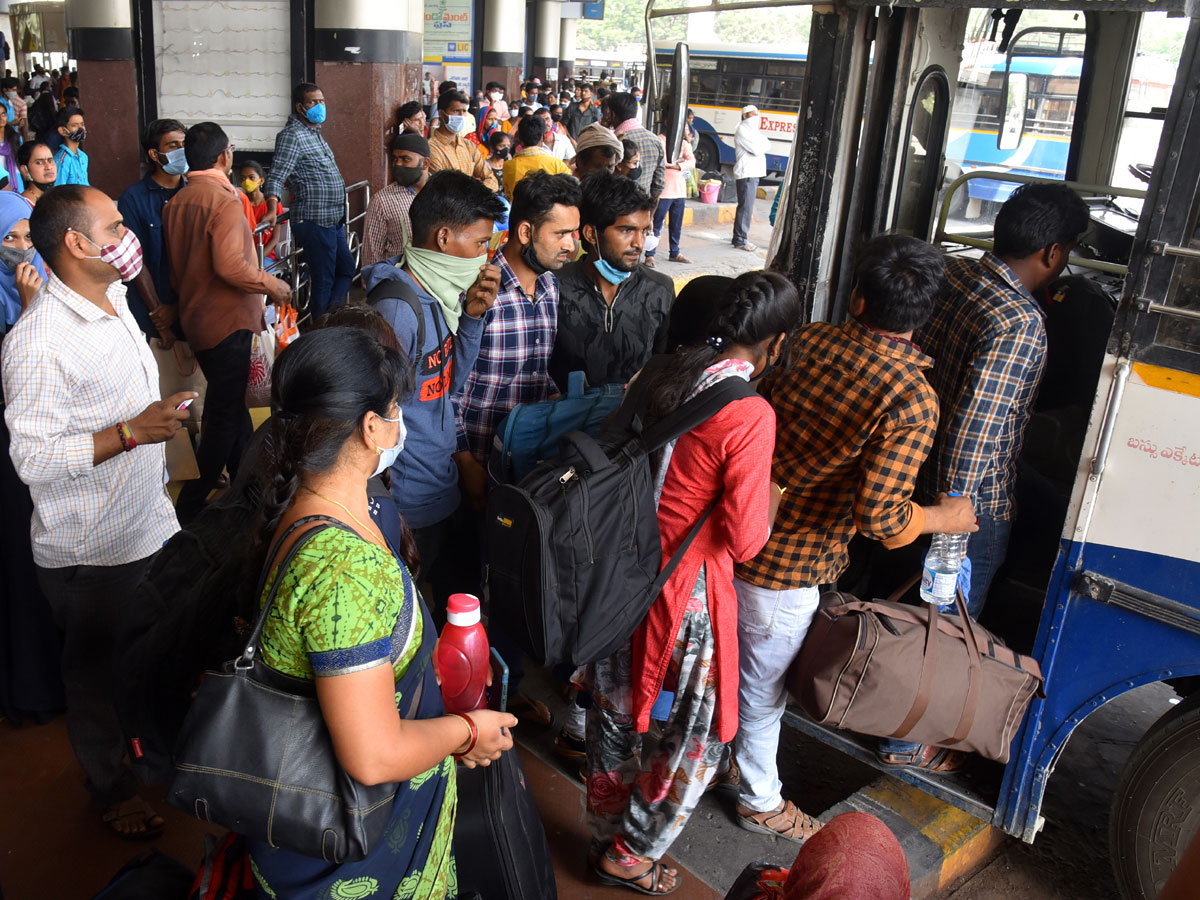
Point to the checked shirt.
(304, 161)
(653, 159)
(855, 419)
(513, 358)
(988, 337)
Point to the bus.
(726, 77)
(626, 69)
(1102, 580)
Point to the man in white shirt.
(751, 145)
(88, 428)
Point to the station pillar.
(545, 41)
(100, 39)
(504, 44)
(567, 34)
(367, 62)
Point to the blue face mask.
(176, 163)
(456, 124)
(609, 273)
(315, 114)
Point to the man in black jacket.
(612, 312)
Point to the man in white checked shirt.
(87, 424)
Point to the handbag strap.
(246, 660)
(928, 670)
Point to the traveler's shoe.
(746, 246)
(787, 822)
(568, 747)
(728, 780)
(650, 262)
(681, 259)
(530, 711)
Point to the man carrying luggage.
(855, 421)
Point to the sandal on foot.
(728, 780)
(787, 822)
(134, 808)
(927, 757)
(655, 873)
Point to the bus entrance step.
(697, 213)
(943, 844)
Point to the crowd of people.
(904, 420)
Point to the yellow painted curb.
(965, 842)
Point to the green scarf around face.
(444, 276)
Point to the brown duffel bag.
(909, 672)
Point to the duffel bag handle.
(975, 676)
(925, 684)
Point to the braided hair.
(321, 387)
(754, 307)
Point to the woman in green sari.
(348, 615)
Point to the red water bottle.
(461, 656)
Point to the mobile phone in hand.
(186, 403)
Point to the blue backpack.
(530, 433)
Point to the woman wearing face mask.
(30, 682)
(250, 180)
(631, 162)
(10, 144)
(489, 125)
(500, 151)
(688, 643)
(348, 618)
(21, 268)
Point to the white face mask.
(388, 455)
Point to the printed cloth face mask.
(125, 256)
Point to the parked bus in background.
(624, 69)
(726, 77)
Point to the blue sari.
(418, 833)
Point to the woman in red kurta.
(683, 660)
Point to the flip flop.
(655, 872)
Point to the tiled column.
(368, 64)
(100, 38)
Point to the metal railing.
(942, 236)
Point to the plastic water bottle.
(461, 656)
(943, 562)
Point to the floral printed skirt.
(641, 807)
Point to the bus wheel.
(1156, 808)
(708, 158)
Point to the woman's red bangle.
(474, 734)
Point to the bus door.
(1123, 606)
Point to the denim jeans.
(330, 264)
(986, 549)
(771, 628)
(673, 208)
(747, 193)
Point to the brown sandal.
(787, 822)
(928, 757)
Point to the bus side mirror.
(1012, 124)
(675, 112)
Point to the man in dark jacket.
(612, 312)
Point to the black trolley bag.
(574, 548)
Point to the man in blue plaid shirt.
(514, 353)
(305, 163)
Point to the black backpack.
(575, 555)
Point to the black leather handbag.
(256, 757)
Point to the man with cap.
(751, 146)
(387, 226)
(597, 150)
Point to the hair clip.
(716, 342)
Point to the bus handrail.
(940, 235)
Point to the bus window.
(1159, 45)
(1048, 49)
(920, 175)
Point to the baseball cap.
(749, 108)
